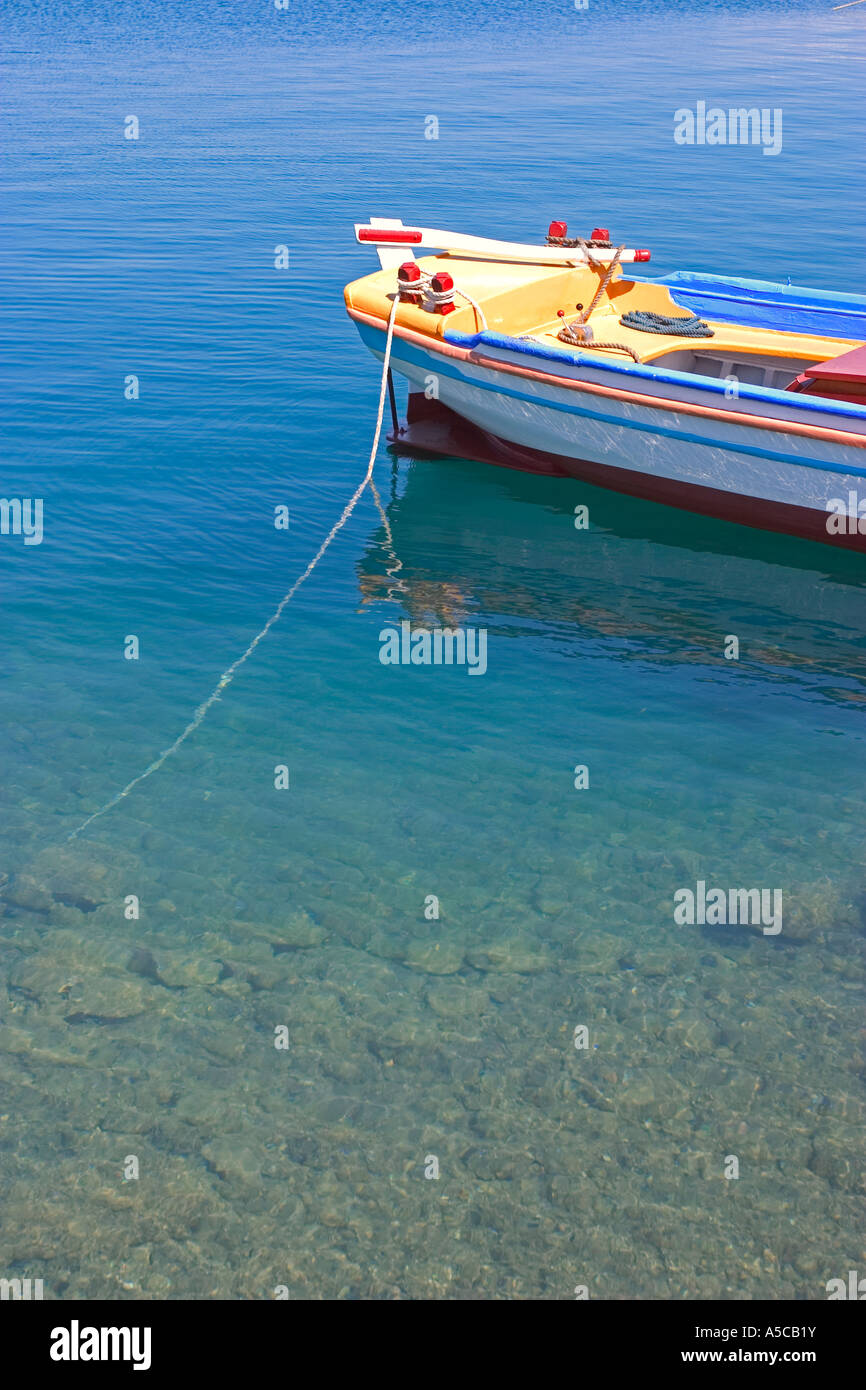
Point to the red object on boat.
(600, 234)
(407, 277)
(442, 282)
(851, 366)
(558, 229)
(843, 378)
(642, 255)
(403, 236)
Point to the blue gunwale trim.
(712, 385)
(423, 357)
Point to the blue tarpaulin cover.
(765, 304)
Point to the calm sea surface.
(241, 993)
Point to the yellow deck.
(523, 299)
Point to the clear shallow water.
(155, 1037)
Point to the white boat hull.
(757, 474)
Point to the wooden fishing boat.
(735, 398)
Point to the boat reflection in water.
(461, 540)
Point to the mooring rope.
(578, 333)
(424, 285)
(398, 585)
(228, 675)
(603, 283)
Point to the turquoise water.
(154, 1037)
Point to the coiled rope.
(228, 675)
(689, 326)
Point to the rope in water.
(228, 675)
(689, 326)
